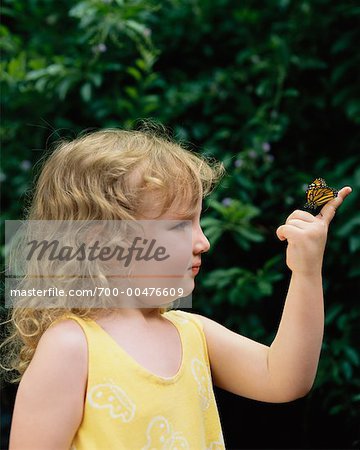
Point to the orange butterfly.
(318, 193)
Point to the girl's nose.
(200, 242)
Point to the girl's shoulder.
(52, 388)
(65, 338)
(185, 317)
(62, 355)
(65, 326)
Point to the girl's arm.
(49, 402)
(286, 370)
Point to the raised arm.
(49, 402)
(294, 354)
(286, 370)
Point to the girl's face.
(180, 242)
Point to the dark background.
(271, 89)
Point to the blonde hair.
(104, 175)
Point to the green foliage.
(235, 218)
(272, 92)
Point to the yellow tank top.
(127, 407)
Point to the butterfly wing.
(318, 196)
(317, 183)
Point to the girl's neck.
(130, 314)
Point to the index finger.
(328, 211)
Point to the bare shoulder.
(50, 398)
(64, 342)
(206, 322)
(217, 334)
(66, 333)
(60, 356)
(214, 332)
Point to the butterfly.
(318, 193)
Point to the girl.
(106, 377)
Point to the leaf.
(349, 226)
(353, 355)
(354, 244)
(64, 87)
(333, 312)
(132, 92)
(347, 370)
(336, 409)
(134, 73)
(96, 78)
(85, 92)
(250, 234)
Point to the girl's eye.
(181, 225)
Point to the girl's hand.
(306, 235)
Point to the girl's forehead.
(179, 210)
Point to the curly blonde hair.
(103, 175)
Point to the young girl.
(141, 377)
